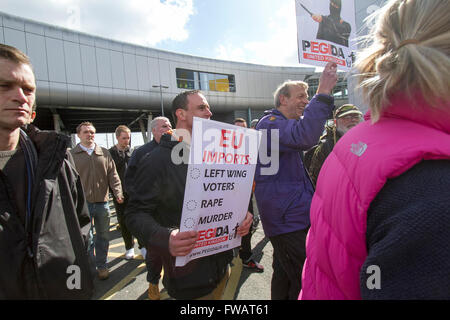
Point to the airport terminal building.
(82, 77)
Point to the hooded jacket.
(352, 176)
(45, 258)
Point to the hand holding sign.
(222, 163)
(182, 243)
(245, 225)
(328, 79)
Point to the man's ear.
(282, 99)
(33, 116)
(180, 114)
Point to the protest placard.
(326, 32)
(221, 169)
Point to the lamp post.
(160, 90)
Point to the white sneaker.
(143, 252)
(129, 254)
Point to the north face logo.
(359, 148)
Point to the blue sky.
(253, 31)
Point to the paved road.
(127, 279)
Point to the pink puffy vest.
(349, 180)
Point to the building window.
(206, 81)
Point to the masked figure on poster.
(332, 27)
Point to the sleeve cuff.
(325, 98)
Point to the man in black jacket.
(121, 154)
(155, 208)
(44, 219)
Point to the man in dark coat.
(154, 211)
(121, 154)
(44, 220)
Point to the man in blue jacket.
(284, 195)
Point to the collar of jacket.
(330, 130)
(97, 150)
(47, 140)
(51, 149)
(169, 140)
(274, 111)
(126, 150)
(416, 108)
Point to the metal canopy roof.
(105, 121)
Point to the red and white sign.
(219, 182)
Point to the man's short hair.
(85, 123)
(284, 89)
(181, 101)
(120, 129)
(154, 122)
(14, 55)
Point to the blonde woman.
(380, 216)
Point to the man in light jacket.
(98, 173)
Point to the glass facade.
(205, 81)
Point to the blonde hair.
(120, 129)
(409, 52)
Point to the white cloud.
(144, 22)
(155, 21)
(279, 48)
(230, 52)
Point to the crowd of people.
(358, 208)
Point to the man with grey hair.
(159, 126)
(284, 198)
